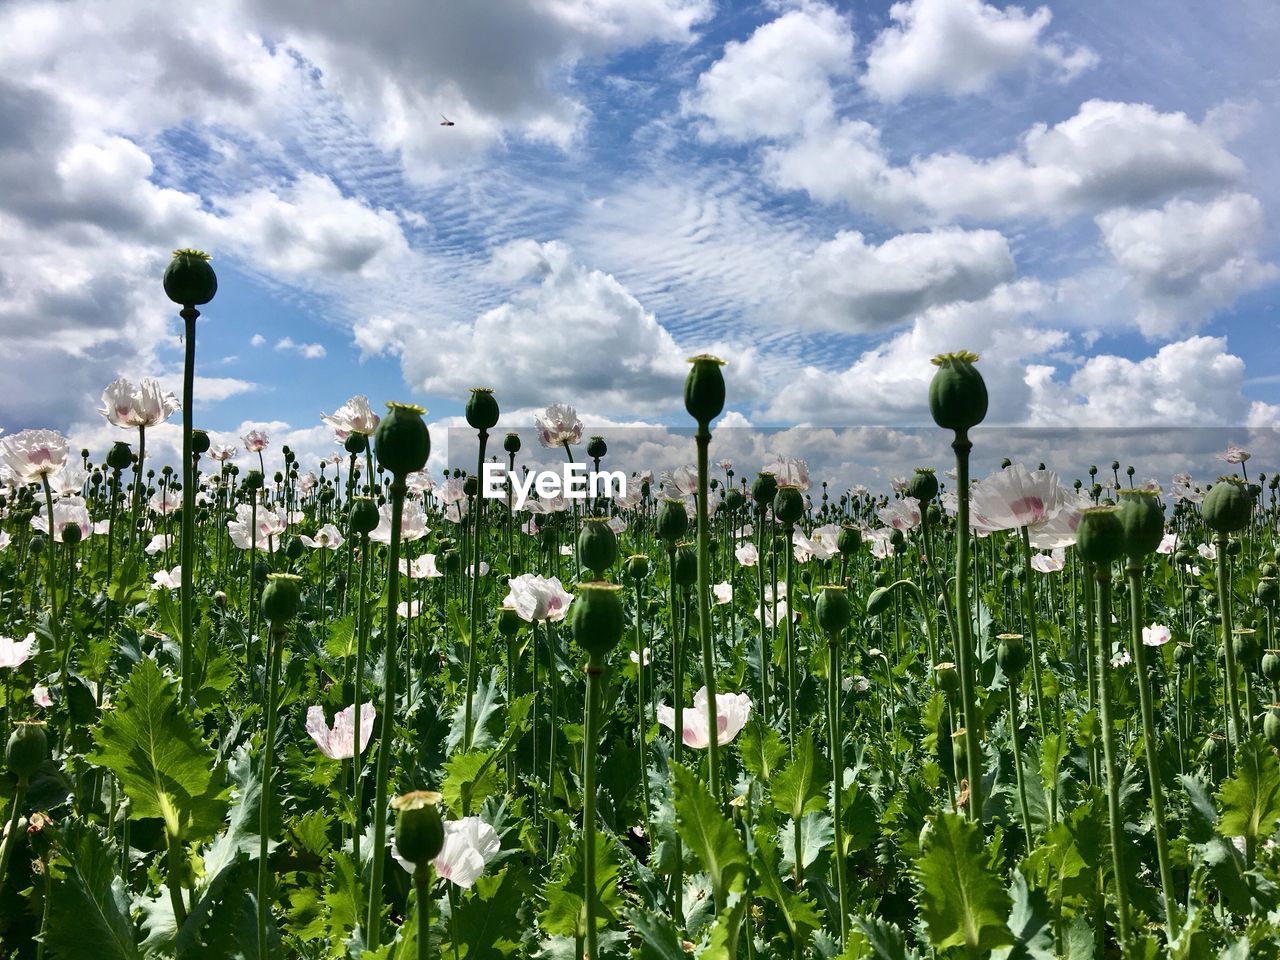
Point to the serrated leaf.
(156, 752)
(659, 938)
(487, 918)
(708, 834)
(564, 914)
(1250, 800)
(797, 908)
(962, 899)
(761, 749)
(873, 937)
(795, 790)
(89, 906)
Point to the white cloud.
(960, 47)
(1187, 260)
(309, 351)
(257, 340)
(848, 284)
(777, 82)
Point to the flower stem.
(591, 734)
(966, 664)
(703, 438)
(1115, 816)
(186, 548)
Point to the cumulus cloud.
(961, 47)
(308, 351)
(849, 284)
(1186, 260)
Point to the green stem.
(276, 637)
(703, 439)
(966, 664)
(473, 664)
(1115, 816)
(186, 548)
(591, 732)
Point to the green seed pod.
(788, 505)
(72, 534)
(281, 597)
(878, 600)
(1184, 654)
(597, 448)
(452, 562)
(120, 457)
(597, 545)
(597, 618)
(356, 443)
(1234, 547)
(673, 520)
(834, 611)
(764, 489)
(511, 443)
(1270, 668)
(293, 550)
(200, 442)
(482, 409)
(1269, 570)
(419, 827)
(848, 540)
(1267, 590)
(684, 571)
(947, 678)
(1227, 506)
(638, 566)
(28, 747)
(957, 393)
(470, 486)
(704, 389)
(189, 280)
(402, 442)
(1213, 747)
(1011, 654)
(1100, 536)
(923, 485)
(37, 544)
(1244, 642)
(959, 750)
(1271, 725)
(508, 621)
(734, 500)
(1142, 519)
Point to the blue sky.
(825, 194)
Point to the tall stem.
(703, 438)
(186, 549)
(1115, 816)
(1228, 648)
(591, 734)
(964, 624)
(276, 636)
(473, 665)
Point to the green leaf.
(1250, 800)
(487, 918)
(564, 914)
(796, 791)
(341, 641)
(708, 834)
(89, 906)
(961, 897)
(761, 749)
(469, 779)
(797, 909)
(659, 938)
(156, 752)
(873, 937)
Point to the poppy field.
(360, 709)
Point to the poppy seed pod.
(356, 443)
(1227, 506)
(119, 456)
(1267, 590)
(957, 393)
(364, 516)
(1142, 517)
(253, 480)
(28, 747)
(71, 534)
(597, 618)
(947, 678)
(1184, 654)
(673, 521)
(419, 827)
(923, 485)
(482, 409)
(764, 489)
(1271, 726)
(452, 561)
(638, 566)
(281, 597)
(294, 549)
(1270, 666)
(788, 505)
(1100, 536)
(704, 388)
(878, 600)
(508, 621)
(734, 500)
(597, 448)
(200, 442)
(597, 545)
(848, 540)
(189, 280)
(402, 442)
(511, 443)
(833, 610)
(37, 544)
(470, 486)
(1011, 653)
(684, 570)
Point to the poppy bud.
(253, 480)
(878, 600)
(419, 828)
(848, 540)
(1142, 518)
(834, 611)
(1227, 506)
(511, 443)
(281, 597)
(734, 500)
(1100, 536)
(356, 443)
(37, 544)
(957, 393)
(684, 572)
(470, 486)
(508, 621)
(482, 409)
(1011, 654)
(923, 485)
(189, 280)
(597, 618)
(402, 442)
(788, 505)
(199, 442)
(704, 389)
(28, 747)
(764, 489)
(119, 457)
(597, 448)
(1183, 654)
(71, 534)
(673, 521)
(638, 566)
(294, 549)
(364, 516)
(597, 545)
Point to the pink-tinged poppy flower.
(902, 514)
(265, 535)
(1121, 658)
(14, 653)
(617, 525)
(469, 845)
(421, 568)
(1014, 497)
(166, 501)
(789, 471)
(413, 523)
(69, 481)
(732, 712)
(806, 549)
(1208, 551)
(1168, 543)
(1049, 562)
(40, 694)
(747, 554)
(680, 482)
(5, 540)
(168, 579)
(255, 441)
(643, 657)
(326, 538)
(409, 608)
(339, 741)
(723, 592)
(1234, 454)
(354, 416)
(222, 452)
(536, 598)
(559, 426)
(32, 455)
(144, 405)
(1156, 635)
(67, 511)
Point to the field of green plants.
(352, 709)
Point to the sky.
(823, 194)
